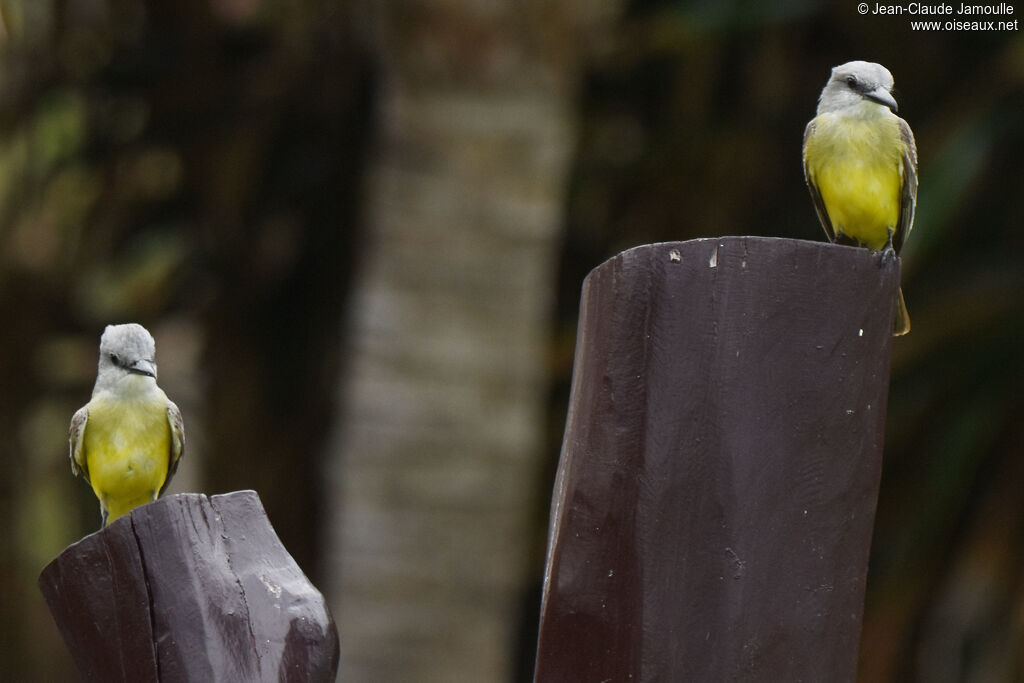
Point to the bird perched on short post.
(860, 164)
(127, 440)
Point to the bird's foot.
(888, 253)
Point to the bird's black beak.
(882, 97)
(143, 367)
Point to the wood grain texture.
(713, 508)
(190, 588)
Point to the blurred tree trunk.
(442, 408)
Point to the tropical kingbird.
(860, 163)
(127, 440)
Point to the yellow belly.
(127, 452)
(856, 167)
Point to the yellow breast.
(856, 165)
(127, 450)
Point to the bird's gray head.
(129, 348)
(854, 83)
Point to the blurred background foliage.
(197, 166)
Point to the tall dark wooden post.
(190, 589)
(714, 503)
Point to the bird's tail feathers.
(901, 322)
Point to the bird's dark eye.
(114, 359)
(851, 81)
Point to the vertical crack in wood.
(238, 582)
(149, 601)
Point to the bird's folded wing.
(76, 434)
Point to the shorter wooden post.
(713, 508)
(190, 588)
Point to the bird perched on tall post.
(128, 439)
(860, 164)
